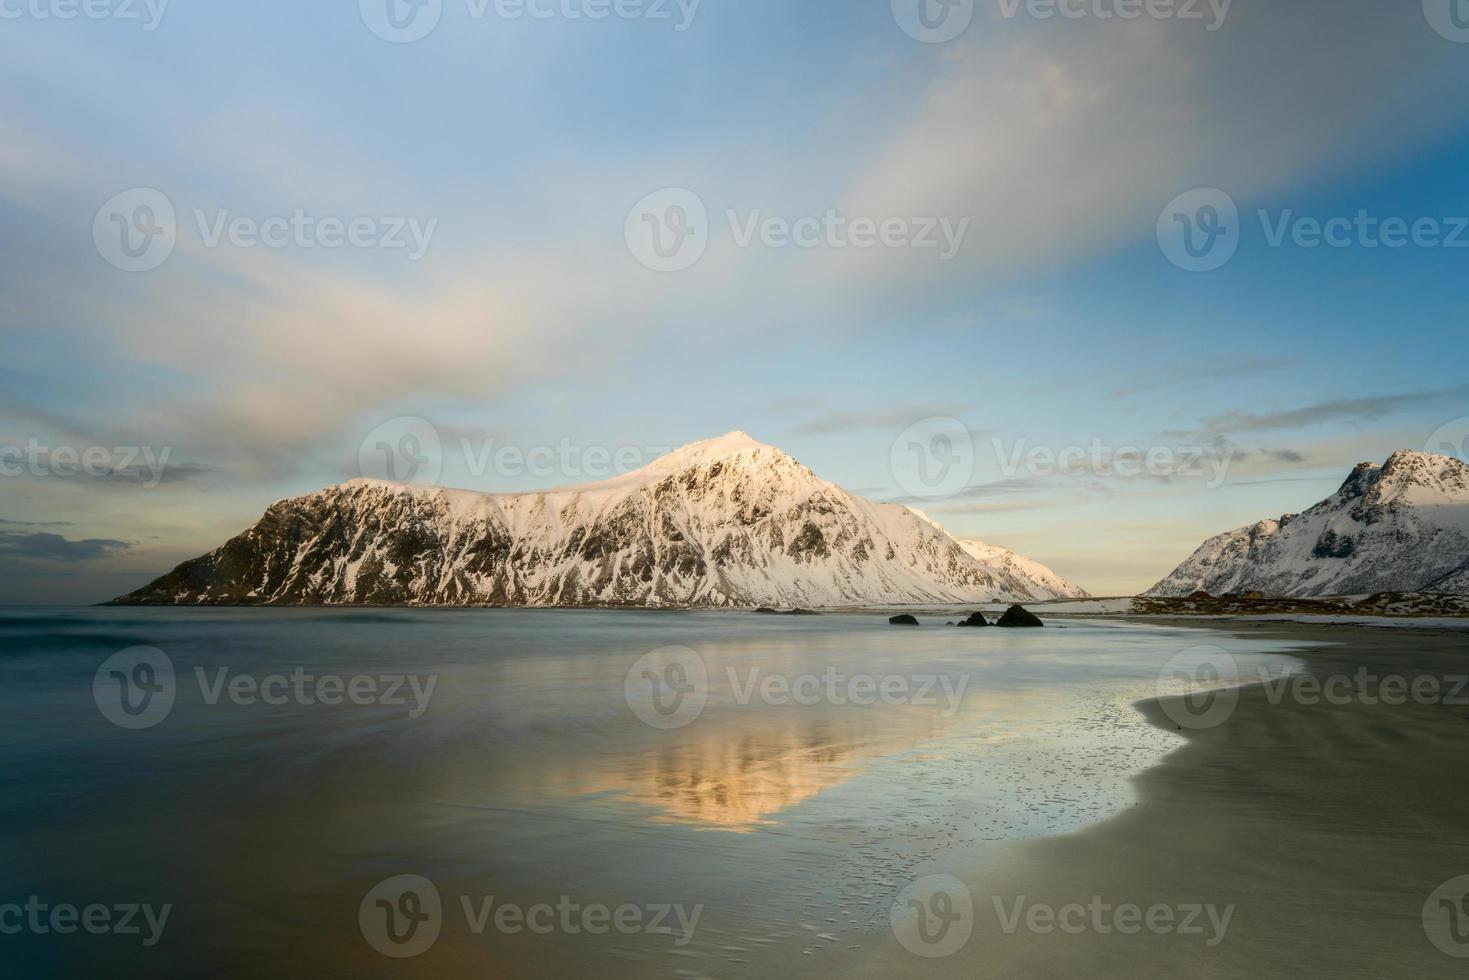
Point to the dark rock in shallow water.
(767, 611)
(903, 620)
(975, 619)
(1019, 616)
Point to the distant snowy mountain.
(1400, 527)
(726, 522)
(1037, 579)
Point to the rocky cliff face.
(728, 522)
(1400, 527)
(1021, 573)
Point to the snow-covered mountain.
(726, 522)
(1040, 581)
(1400, 527)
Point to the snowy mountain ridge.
(724, 522)
(1399, 527)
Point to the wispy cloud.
(893, 418)
(1157, 379)
(54, 547)
(1371, 408)
(1050, 140)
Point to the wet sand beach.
(1327, 826)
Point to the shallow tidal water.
(763, 787)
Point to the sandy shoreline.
(1326, 826)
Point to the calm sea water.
(567, 792)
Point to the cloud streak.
(895, 419)
(1371, 408)
(53, 547)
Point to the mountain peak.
(1415, 458)
(706, 451)
(1402, 526)
(722, 522)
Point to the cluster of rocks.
(1015, 616)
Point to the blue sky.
(524, 144)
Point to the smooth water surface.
(538, 769)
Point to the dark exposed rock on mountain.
(727, 522)
(1399, 527)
